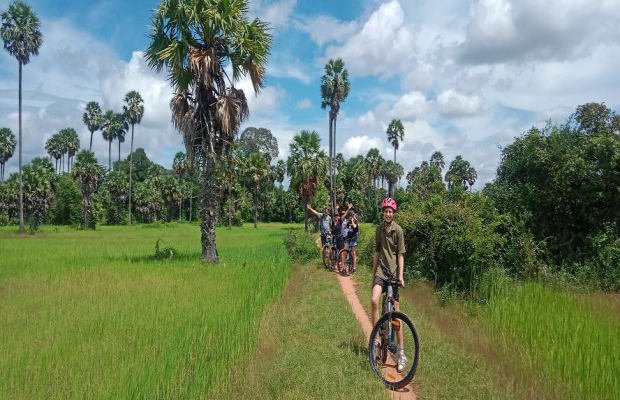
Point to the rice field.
(561, 335)
(94, 315)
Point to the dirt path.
(348, 288)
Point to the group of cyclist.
(344, 229)
(388, 258)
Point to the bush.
(301, 246)
(66, 207)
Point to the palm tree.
(121, 128)
(38, 190)
(256, 170)
(88, 173)
(335, 87)
(437, 160)
(7, 148)
(22, 38)
(109, 131)
(195, 40)
(62, 141)
(133, 110)
(71, 141)
(92, 119)
(280, 172)
(395, 134)
(461, 172)
(306, 165)
(52, 146)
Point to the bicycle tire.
(416, 357)
(326, 259)
(347, 264)
(333, 259)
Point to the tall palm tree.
(121, 128)
(71, 141)
(88, 173)
(22, 38)
(133, 110)
(256, 170)
(194, 40)
(92, 119)
(108, 129)
(280, 172)
(461, 172)
(395, 134)
(7, 148)
(306, 165)
(437, 160)
(62, 141)
(335, 87)
(52, 146)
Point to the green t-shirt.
(389, 242)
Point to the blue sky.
(464, 76)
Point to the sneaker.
(377, 349)
(402, 361)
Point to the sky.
(465, 76)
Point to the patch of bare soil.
(348, 288)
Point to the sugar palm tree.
(22, 38)
(71, 141)
(108, 129)
(256, 169)
(395, 134)
(92, 119)
(121, 130)
(7, 148)
(437, 160)
(335, 87)
(52, 146)
(88, 173)
(194, 40)
(306, 165)
(133, 110)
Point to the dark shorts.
(323, 239)
(339, 243)
(384, 284)
(352, 243)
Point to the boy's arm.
(400, 260)
(375, 263)
(312, 210)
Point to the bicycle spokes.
(395, 353)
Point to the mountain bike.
(329, 252)
(345, 259)
(394, 332)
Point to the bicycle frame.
(388, 307)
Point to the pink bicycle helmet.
(389, 202)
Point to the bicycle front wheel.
(346, 266)
(396, 368)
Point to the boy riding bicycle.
(389, 253)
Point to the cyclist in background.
(325, 221)
(352, 237)
(390, 256)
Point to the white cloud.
(382, 47)
(530, 30)
(359, 145)
(304, 104)
(277, 13)
(454, 104)
(410, 106)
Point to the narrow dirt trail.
(348, 288)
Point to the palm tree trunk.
(335, 153)
(394, 154)
(90, 148)
(180, 208)
(331, 175)
(255, 205)
(207, 211)
(130, 171)
(119, 149)
(22, 230)
(109, 155)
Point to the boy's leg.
(377, 290)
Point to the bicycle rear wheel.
(326, 256)
(346, 266)
(385, 363)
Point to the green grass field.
(93, 315)
(572, 343)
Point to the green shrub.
(301, 246)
